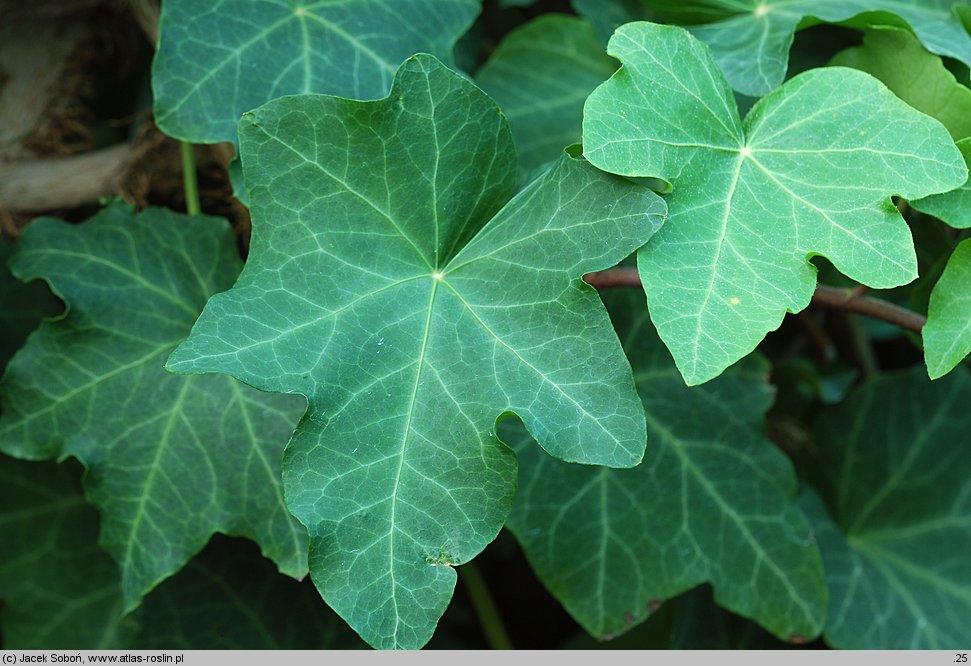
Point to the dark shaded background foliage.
(100, 98)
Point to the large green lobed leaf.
(895, 549)
(947, 334)
(393, 282)
(714, 501)
(810, 171)
(217, 59)
(170, 459)
(540, 74)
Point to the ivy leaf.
(947, 334)
(714, 501)
(204, 77)
(919, 78)
(751, 45)
(230, 598)
(809, 171)
(391, 283)
(540, 75)
(895, 550)
(170, 459)
(60, 590)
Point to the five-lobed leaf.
(810, 171)
(714, 501)
(750, 39)
(919, 78)
(217, 60)
(895, 549)
(393, 282)
(170, 460)
(947, 334)
(540, 75)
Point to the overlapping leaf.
(810, 171)
(218, 59)
(59, 589)
(750, 39)
(919, 78)
(947, 334)
(714, 501)
(391, 283)
(170, 459)
(895, 549)
(540, 75)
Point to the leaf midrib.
(401, 457)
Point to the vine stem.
(848, 300)
(189, 183)
(485, 608)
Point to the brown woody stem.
(848, 300)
